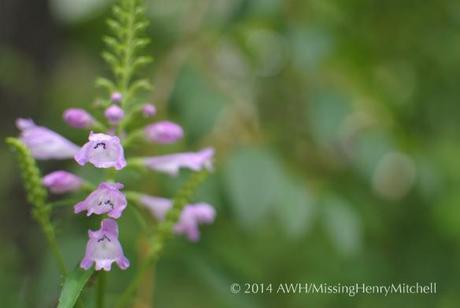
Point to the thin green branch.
(133, 136)
(133, 198)
(164, 230)
(37, 196)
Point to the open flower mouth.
(102, 144)
(103, 238)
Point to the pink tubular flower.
(78, 118)
(61, 181)
(170, 164)
(191, 217)
(114, 114)
(104, 248)
(43, 142)
(107, 198)
(149, 110)
(103, 151)
(156, 205)
(164, 132)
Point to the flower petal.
(61, 181)
(45, 143)
(171, 164)
(191, 216)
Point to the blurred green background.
(336, 126)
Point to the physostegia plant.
(112, 128)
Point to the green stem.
(111, 174)
(131, 117)
(98, 126)
(137, 134)
(155, 251)
(50, 235)
(164, 230)
(133, 198)
(64, 202)
(100, 289)
(127, 57)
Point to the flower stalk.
(105, 149)
(164, 230)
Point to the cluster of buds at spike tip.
(105, 150)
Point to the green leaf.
(73, 286)
(253, 177)
(112, 43)
(141, 43)
(343, 225)
(105, 83)
(110, 58)
(295, 207)
(141, 61)
(139, 85)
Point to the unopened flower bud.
(149, 110)
(114, 114)
(78, 118)
(164, 132)
(116, 97)
(61, 181)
